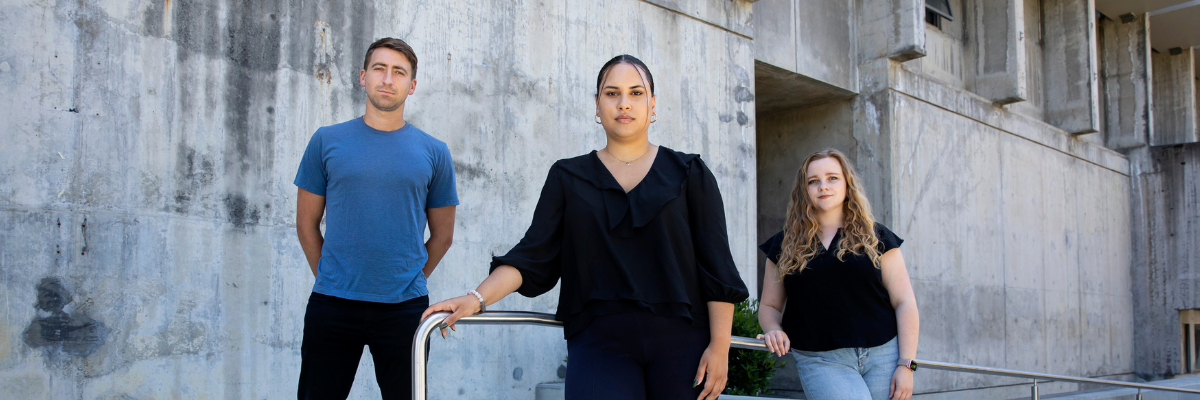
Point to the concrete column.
(1174, 97)
(1069, 65)
(909, 40)
(1000, 68)
(1125, 70)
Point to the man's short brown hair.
(394, 44)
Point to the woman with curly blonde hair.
(852, 319)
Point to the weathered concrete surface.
(1069, 62)
(805, 54)
(1174, 97)
(1000, 71)
(1166, 270)
(947, 59)
(892, 29)
(814, 40)
(1125, 76)
(150, 148)
(780, 90)
(1009, 249)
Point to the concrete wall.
(150, 147)
(805, 52)
(1125, 75)
(1174, 97)
(1166, 262)
(1019, 246)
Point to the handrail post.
(1139, 395)
(420, 357)
(1033, 391)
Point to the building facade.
(1037, 156)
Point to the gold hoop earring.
(654, 118)
(597, 119)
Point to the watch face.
(913, 366)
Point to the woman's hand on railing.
(777, 342)
(458, 307)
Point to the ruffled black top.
(836, 304)
(662, 247)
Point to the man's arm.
(441, 234)
(310, 208)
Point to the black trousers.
(335, 331)
(635, 356)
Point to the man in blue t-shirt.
(378, 181)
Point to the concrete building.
(1038, 156)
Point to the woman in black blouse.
(851, 320)
(636, 233)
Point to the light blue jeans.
(853, 373)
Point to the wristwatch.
(908, 363)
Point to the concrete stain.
(239, 211)
(56, 330)
(469, 171)
(193, 172)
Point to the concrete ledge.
(970, 105)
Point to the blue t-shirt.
(377, 186)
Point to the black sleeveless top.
(835, 304)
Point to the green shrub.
(750, 371)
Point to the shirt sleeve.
(887, 239)
(773, 247)
(442, 190)
(538, 255)
(719, 278)
(311, 175)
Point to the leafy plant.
(750, 371)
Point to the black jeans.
(335, 331)
(634, 356)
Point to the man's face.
(387, 79)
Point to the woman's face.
(826, 184)
(625, 103)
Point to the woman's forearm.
(720, 323)
(769, 318)
(908, 327)
(500, 283)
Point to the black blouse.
(836, 304)
(662, 247)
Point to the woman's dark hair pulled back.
(625, 59)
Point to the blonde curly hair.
(800, 240)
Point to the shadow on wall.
(56, 330)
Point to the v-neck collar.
(832, 242)
(607, 173)
(662, 183)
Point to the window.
(936, 11)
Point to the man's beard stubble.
(379, 106)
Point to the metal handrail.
(429, 325)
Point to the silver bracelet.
(482, 305)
